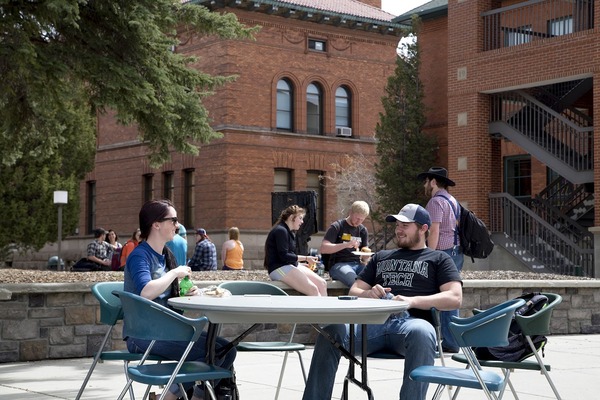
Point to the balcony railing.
(535, 19)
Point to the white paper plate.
(362, 253)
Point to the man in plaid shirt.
(99, 251)
(443, 233)
(205, 254)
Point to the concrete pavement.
(575, 361)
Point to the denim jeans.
(346, 272)
(173, 350)
(407, 336)
(445, 316)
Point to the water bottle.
(185, 285)
(320, 267)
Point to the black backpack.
(475, 239)
(517, 349)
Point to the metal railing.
(564, 195)
(559, 136)
(535, 19)
(553, 96)
(551, 248)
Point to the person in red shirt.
(129, 246)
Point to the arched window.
(342, 107)
(285, 105)
(314, 109)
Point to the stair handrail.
(571, 194)
(579, 118)
(553, 113)
(556, 217)
(562, 138)
(570, 254)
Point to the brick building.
(308, 93)
(510, 90)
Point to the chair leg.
(131, 394)
(94, 362)
(302, 366)
(438, 392)
(438, 335)
(281, 375)
(512, 389)
(125, 389)
(543, 368)
(211, 391)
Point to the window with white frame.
(516, 36)
(314, 109)
(317, 45)
(285, 105)
(560, 26)
(342, 107)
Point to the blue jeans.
(446, 316)
(346, 272)
(173, 350)
(407, 336)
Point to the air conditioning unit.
(344, 131)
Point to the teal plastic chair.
(111, 312)
(254, 287)
(489, 328)
(148, 320)
(531, 325)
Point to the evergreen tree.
(62, 62)
(403, 149)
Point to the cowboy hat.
(438, 173)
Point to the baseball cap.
(201, 232)
(411, 213)
(182, 231)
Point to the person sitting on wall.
(281, 259)
(205, 253)
(99, 254)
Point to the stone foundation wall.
(48, 321)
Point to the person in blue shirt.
(179, 245)
(152, 272)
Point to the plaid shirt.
(441, 211)
(102, 250)
(205, 256)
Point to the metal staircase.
(535, 242)
(551, 137)
(551, 234)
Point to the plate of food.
(365, 251)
